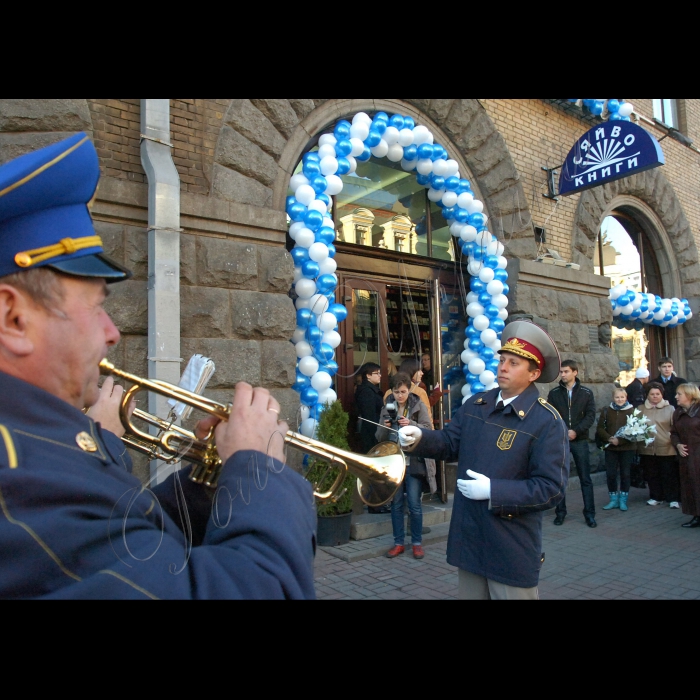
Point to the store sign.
(606, 153)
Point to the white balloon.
(483, 238)
(657, 316)
(325, 151)
(297, 274)
(464, 199)
(305, 288)
(332, 338)
(308, 365)
(395, 153)
(321, 381)
(477, 366)
(305, 194)
(298, 335)
(475, 309)
(304, 412)
(327, 139)
(327, 266)
(296, 226)
(637, 301)
(626, 109)
(467, 355)
(435, 195)
(493, 385)
(440, 167)
(456, 229)
(617, 291)
(628, 309)
(301, 303)
(328, 222)
(466, 392)
(452, 168)
(481, 323)
(318, 251)
(500, 301)
(487, 338)
(327, 396)
(495, 248)
(665, 305)
(326, 321)
(487, 377)
(308, 427)
(408, 165)
(329, 165)
(305, 237)
(496, 346)
(464, 400)
(405, 137)
(468, 234)
(298, 180)
(359, 130)
(472, 297)
(391, 135)
(303, 349)
(357, 147)
(503, 314)
(319, 206)
(362, 117)
(485, 274)
(353, 164)
(494, 287)
(474, 267)
(449, 199)
(335, 185)
(421, 134)
(424, 166)
(380, 150)
(318, 304)
(502, 263)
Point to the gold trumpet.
(379, 473)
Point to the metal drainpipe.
(163, 257)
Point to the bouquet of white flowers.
(637, 429)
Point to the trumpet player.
(74, 522)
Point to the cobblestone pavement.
(640, 554)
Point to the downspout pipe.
(163, 257)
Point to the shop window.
(666, 111)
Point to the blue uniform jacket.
(77, 524)
(524, 450)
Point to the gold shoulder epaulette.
(549, 407)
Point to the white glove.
(478, 488)
(410, 435)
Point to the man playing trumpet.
(74, 522)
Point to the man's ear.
(535, 375)
(16, 311)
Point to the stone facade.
(235, 158)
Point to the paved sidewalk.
(640, 554)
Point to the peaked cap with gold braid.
(528, 340)
(44, 212)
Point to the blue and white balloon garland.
(618, 110)
(399, 139)
(632, 309)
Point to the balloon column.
(617, 109)
(632, 309)
(399, 139)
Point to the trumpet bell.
(388, 470)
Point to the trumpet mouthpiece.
(106, 367)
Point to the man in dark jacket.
(576, 406)
(635, 389)
(669, 380)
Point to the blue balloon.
(342, 131)
(331, 367)
(288, 202)
(471, 332)
(613, 303)
(311, 168)
(596, 108)
(423, 180)
(319, 183)
(342, 148)
(506, 288)
(487, 354)
(331, 250)
(325, 352)
(437, 182)
(476, 285)
(365, 155)
(475, 344)
(623, 300)
(316, 410)
(476, 220)
(425, 150)
(339, 311)
(636, 313)
(484, 298)
(452, 183)
(497, 324)
(325, 283)
(379, 127)
(297, 211)
(410, 152)
(478, 388)
(613, 105)
(313, 219)
(310, 269)
(465, 184)
(303, 317)
(491, 311)
(668, 316)
(615, 117)
(396, 121)
(491, 261)
(311, 157)
(500, 274)
(493, 365)
(471, 378)
(382, 115)
(461, 215)
(448, 212)
(408, 123)
(438, 152)
(309, 396)
(478, 253)
(468, 248)
(373, 138)
(325, 235)
(343, 166)
(299, 255)
(313, 334)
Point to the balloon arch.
(316, 337)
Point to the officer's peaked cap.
(528, 340)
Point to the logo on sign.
(606, 153)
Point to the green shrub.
(332, 429)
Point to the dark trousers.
(622, 462)
(661, 473)
(581, 455)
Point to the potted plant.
(334, 516)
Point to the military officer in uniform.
(513, 455)
(74, 522)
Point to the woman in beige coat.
(659, 460)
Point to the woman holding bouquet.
(685, 436)
(619, 453)
(658, 460)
